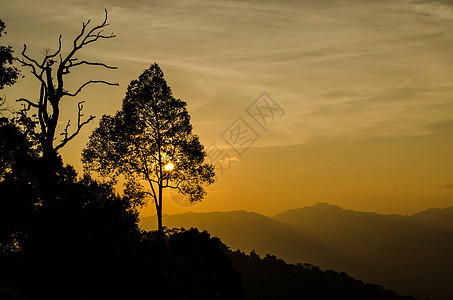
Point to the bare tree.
(51, 73)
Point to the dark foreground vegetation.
(272, 278)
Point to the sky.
(361, 92)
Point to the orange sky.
(366, 87)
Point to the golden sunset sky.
(366, 88)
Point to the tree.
(19, 163)
(51, 73)
(8, 73)
(150, 140)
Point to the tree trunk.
(49, 180)
(160, 228)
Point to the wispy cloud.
(352, 69)
(446, 186)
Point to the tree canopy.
(8, 73)
(150, 139)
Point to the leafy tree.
(150, 140)
(205, 271)
(52, 72)
(16, 149)
(8, 73)
(19, 189)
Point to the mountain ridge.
(410, 254)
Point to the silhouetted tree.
(151, 139)
(22, 216)
(206, 272)
(8, 73)
(19, 188)
(51, 72)
(96, 238)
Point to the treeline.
(272, 278)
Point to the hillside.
(410, 254)
(272, 278)
(441, 219)
(251, 231)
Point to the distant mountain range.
(410, 254)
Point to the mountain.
(409, 254)
(412, 254)
(441, 219)
(251, 231)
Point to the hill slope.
(441, 219)
(411, 255)
(272, 278)
(251, 231)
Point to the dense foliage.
(151, 132)
(272, 278)
(8, 73)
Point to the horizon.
(298, 208)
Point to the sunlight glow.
(169, 167)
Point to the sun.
(169, 167)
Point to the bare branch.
(103, 24)
(93, 38)
(33, 70)
(25, 108)
(58, 51)
(29, 58)
(87, 83)
(92, 35)
(84, 62)
(82, 32)
(30, 103)
(80, 124)
(65, 69)
(82, 37)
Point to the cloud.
(352, 69)
(446, 186)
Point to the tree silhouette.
(151, 139)
(8, 73)
(51, 72)
(19, 165)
